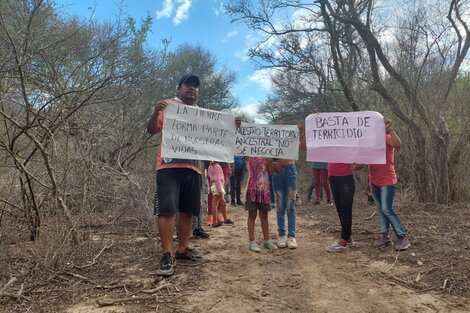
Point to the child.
(217, 182)
(258, 198)
(285, 189)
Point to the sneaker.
(209, 221)
(336, 247)
(383, 242)
(253, 246)
(233, 204)
(218, 224)
(188, 254)
(267, 244)
(240, 203)
(200, 233)
(167, 265)
(402, 244)
(351, 243)
(228, 221)
(329, 203)
(282, 242)
(291, 243)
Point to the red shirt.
(339, 169)
(384, 174)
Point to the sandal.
(218, 224)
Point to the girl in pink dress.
(217, 183)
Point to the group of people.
(178, 192)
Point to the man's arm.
(152, 125)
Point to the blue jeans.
(285, 189)
(383, 197)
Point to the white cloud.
(251, 110)
(181, 12)
(231, 34)
(262, 78)
(166, 10)
(219, 10)
(250, 41)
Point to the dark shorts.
(252, 206)
(178, 190)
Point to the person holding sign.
(258, 198)
(383, 182)
(178, 185)
(342, 188)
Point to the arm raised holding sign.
(383, 183)
(175, 177)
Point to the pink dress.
(258, 181)
(216, 177)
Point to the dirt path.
(307, 279)
(234, 279)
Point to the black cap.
(190, 78)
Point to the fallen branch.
(17, 296)
(396, 259)
(371, 216)
(150, 291)
(108, 302)
(96, 257)
(8, 284)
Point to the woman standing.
(343, 188)
(383, 183)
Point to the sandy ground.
(117, 273)
(307, 279)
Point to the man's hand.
(160, 105)
(238, 122)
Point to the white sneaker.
(253, 246)
(267, 244)
(291, 243)
(282, 242)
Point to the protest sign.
(191, 132)
(346, 137)
(271, 141)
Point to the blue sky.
(190, 21)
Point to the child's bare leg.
(215, 205)
(251, 225)
(223, 208)
(263, 216)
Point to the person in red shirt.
(383, 183)
(178, 185)
(342, 188)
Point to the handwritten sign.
(271, 141)
(346, 137)
(195, 133)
